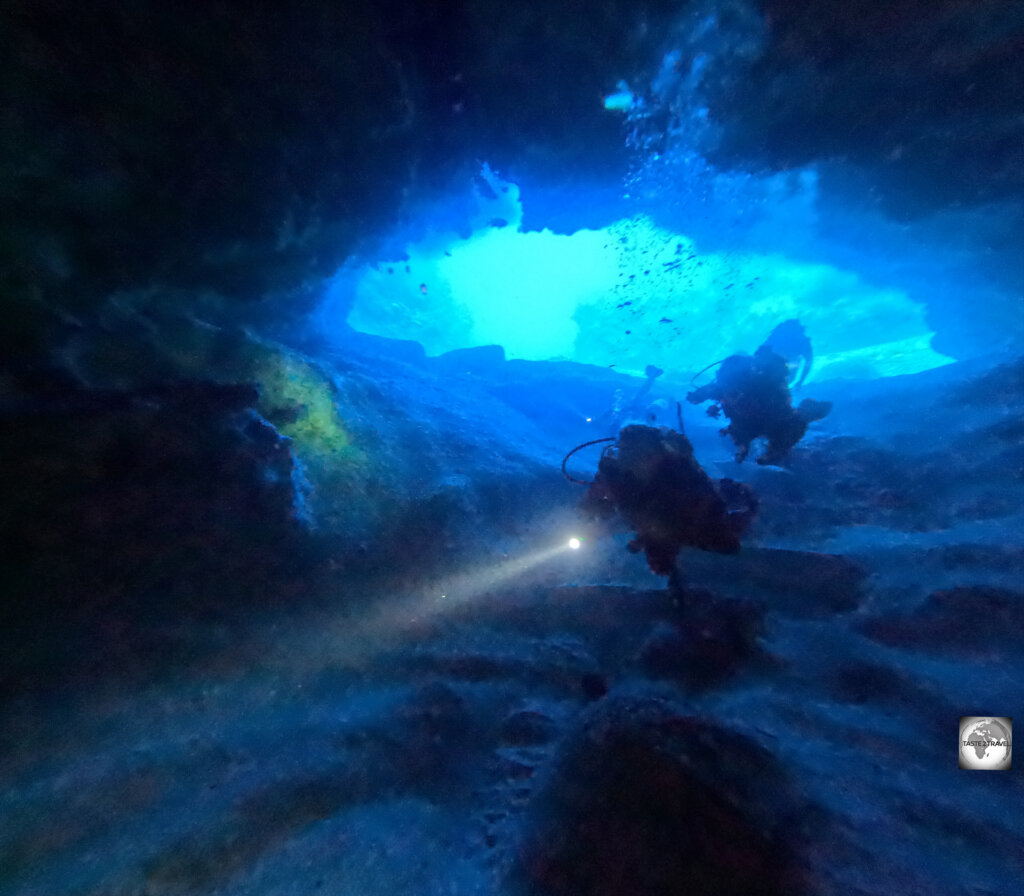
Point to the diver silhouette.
(651, 478)
(790, 341)
(753, 392)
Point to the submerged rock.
(968, 621)
(131, 514)
(711, 640)
(647, 799)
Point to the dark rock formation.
(244, 148)
(709, 641)
(129, 517)
(969, 621)
(643, 798)
(909, 91)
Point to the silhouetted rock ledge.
(645, 798)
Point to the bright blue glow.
(632, 294)
(622, 100)
(519, 290)
(575, 544)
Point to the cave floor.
(383, 739)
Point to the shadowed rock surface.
(359, 727)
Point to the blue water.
(321, 599)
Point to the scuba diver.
(753, 392)
(790, 340)
(638, 407)
(652, 479)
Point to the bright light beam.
(465, 587)
(354, 640)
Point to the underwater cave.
(542, 448)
